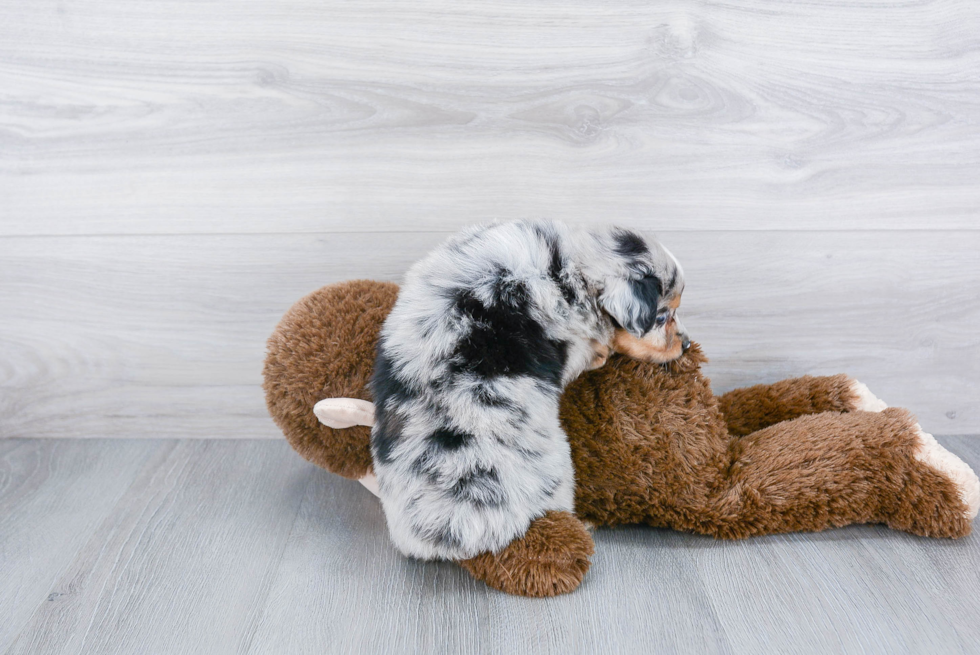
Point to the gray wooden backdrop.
(173, 175)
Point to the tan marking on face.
(659, 346)
(652, 348)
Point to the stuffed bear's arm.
(754, 408)
(339, 413)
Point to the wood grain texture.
(53, 497)
(164, 336)
(182, 564)
(311, 116)
(242, 547)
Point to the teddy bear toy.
(651, 444)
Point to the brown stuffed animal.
(650, 443)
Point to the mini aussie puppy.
(486, 332)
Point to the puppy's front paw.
(600, 355)
(930, 453)
(863, 400)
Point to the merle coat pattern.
(486, 332)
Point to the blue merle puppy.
(486, 332)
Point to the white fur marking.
(959, 472)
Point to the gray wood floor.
(214, 546)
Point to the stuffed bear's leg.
(830, 469)
(550, 559)
(754, 408)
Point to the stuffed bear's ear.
(344, 412)
(633, 303)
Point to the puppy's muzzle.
(657, 346)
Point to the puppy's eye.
(661, 319)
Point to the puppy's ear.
(633, 303)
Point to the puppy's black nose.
(686, 343)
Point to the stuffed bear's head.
(324, 347)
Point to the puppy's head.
(641, 292)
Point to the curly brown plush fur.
(753, 408)
(324, 348)
(550, 559)
(650, 444)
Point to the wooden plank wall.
(174, 175)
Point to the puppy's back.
(470, 365)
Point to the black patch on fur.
(485, 396)
(442, 536)
(556, 267)
(450, 439)
(488, 398)
(630, 244)
(383, 441)
(557, 272)
(646, 291)
(424, 467)
(425, 326)
(386, 389)
(503, 339)
(480, 487)
(551, 486)
(547, 389)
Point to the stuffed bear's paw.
(863, 400)
(932, 454)
(550, 559)
(370, 482)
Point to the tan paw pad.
(866, 401)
